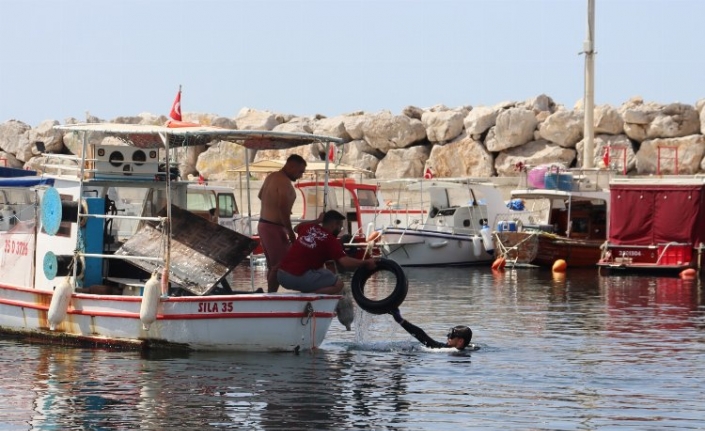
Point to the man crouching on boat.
(302, 267)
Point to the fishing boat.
(453, 233)
(365, 208)
(656, 224)
(70, 272)
(559, 214)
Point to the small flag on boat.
(606, 157)
(331, 153)
(428, 174)
(175, 113)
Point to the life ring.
(384, 305)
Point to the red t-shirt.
(313, 248)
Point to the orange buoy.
(499, 263)
(559, 265)
(374, 236)
(688, 274)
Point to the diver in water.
(458, 336)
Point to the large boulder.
(443, 126)
(403, 163)
(534, 153)
(610, 151)
(564, 128)
(14, 136)
(464, 157)
(671, 155)
(479, 120)
(650, 121)
(252, 119)
(385, 131)
(515, 127)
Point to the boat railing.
(571, 180)
(521, 221)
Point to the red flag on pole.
(175, 113)
(331, 153)
(606, 157)
(428, 174)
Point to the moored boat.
(453, 233)
(562, 218)
(69, 273)
(656, 224)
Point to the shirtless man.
(274, 228)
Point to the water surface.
(578, 351)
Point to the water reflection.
(657, 302)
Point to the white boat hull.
(429, 248)
(242, 322)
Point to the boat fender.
(499, 263)
(59, 303)
(477, 246)
(150, 301)
(559, 265)
(384, 305)
(438, 244)
(487, 240)
(688, 274)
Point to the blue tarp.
(6, 172)
(516, 205)
(26, 182)
(11, 177)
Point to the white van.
(214, 203)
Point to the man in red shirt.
(302, 268)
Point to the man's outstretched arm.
(416, 332)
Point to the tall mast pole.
(589, 97)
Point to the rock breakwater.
(637, 137)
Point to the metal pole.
(589, 98)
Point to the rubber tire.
(383, 306)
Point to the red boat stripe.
(193, 316)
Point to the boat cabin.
(656, 223)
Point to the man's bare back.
(277, 195)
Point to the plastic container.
(506, 226)
(559, 181)
(537, 177)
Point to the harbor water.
(578, 351)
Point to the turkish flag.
(175, 113)
(331, 153)
(428, 174)
(606, 157)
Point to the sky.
(64, 58)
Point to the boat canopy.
(266, 166)
(657, 213)
(145, 136)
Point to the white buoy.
(150, 301)
(487, 239)
(477, 246)
(59, 303)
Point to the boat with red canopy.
(656, 224)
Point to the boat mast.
(589, 97)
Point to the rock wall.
(637, 137)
